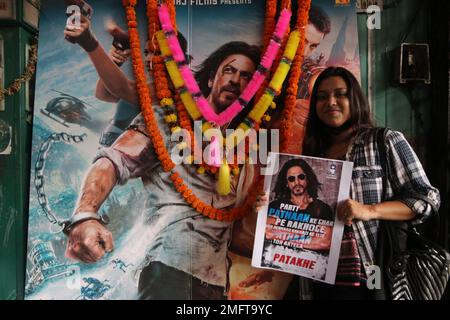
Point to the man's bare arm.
(88, 241)
(113, 78)
(103, 94)
(118, 57)
(98, 183)
(101, 177)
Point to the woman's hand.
(350, 209)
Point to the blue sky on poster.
(66, 67)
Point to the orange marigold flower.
(200, 206)
(191, 199)
(195, 203)
(128, 3)
(187, 193)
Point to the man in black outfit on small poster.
(296, 190)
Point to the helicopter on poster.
(67, 109)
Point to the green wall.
(420, 111)
(14, 170)
(391, 102)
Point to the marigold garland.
(163, 92)
(129, 3)
(269, 27)
(155, 136)
(269, 21)
(187, 101)
(183, 76)
(257, 79)
(143, 90)
(152, 126)
(258, 111)
(176, 77)
(292, 88)
(153, 24)
(30, 69)
(261, 106)
(285, 4)
(185, 104)
(256, 116)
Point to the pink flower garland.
(251, 89)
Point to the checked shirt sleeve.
(409, 181)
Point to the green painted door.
(14, 165)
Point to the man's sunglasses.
(301, 176)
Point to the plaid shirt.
(407, 182)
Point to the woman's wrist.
(373, 212)
(391, 210)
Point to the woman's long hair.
(318, 135)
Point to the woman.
(340, 127)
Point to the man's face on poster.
(232, 76)
(296, 181)
(313, 37)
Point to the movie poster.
(335, 44)
(299, 232)
(71, 125)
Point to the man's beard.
(298, 190)
(222, 104)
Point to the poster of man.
(299, 232)
(85, 100)
(85, 87)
